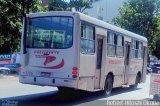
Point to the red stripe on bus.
(157, 81)
(53, 67)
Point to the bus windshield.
(50, 32)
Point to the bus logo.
(50, 59)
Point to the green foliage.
(11, 12)
(9, 26)
(62, 5)
(141, 17)
(80, 5)
(57, 5)
(156, 41)
(37, 7)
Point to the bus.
(70, 50)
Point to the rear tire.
(147, 72)
(108, 86)
(134, 86)
(65, 89)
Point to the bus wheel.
(64, 90)
(108, 85)
(134, 86)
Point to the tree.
(67, 5)
(37, 7)
(80, 5)
(11, 22)
(28, 6)
(156, 41)
(9, 26)
(57, 5)
(140, 16)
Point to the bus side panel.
(86, 83)
(87, 66)
(135, 67)
(116, 66)
(86, 72)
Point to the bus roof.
(94, 21)
(111, 27)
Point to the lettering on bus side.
(115, 61)
(46, 52)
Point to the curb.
(8, 76)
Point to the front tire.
(108, 86)
(138, 77)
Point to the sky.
(67, 0)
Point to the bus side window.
(137, 49)
(133, 48)
(111, 50)
(140, 50)
(87, 39)
(119, 45)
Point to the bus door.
(99, 61)
(127, 61)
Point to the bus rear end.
(49, 49)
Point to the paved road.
(11, 89)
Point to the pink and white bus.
(70, 50)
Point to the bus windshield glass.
(50, 32)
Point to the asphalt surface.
(15, 93)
